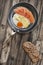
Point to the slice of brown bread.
(31, 51)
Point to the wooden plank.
(27, 60)
(3, 24)
(4, 20)
(21, 53)
(2, 4)
(9, 45)
(2, 27)
(37, 30)
(24, 0)
(16, 43)
(42, 60)
(35, 33)
(5, 15)
(41, 31)
(32, 2)
(14, 2)
(14, 48)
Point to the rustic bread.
(31, 51)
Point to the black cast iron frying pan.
(21, 30)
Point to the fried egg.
(21, 21)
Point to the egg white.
(14, 20)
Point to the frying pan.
(29, 7)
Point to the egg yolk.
(19, 24)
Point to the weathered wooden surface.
(17, 55)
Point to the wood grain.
(17, 55)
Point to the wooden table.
(17, 55)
